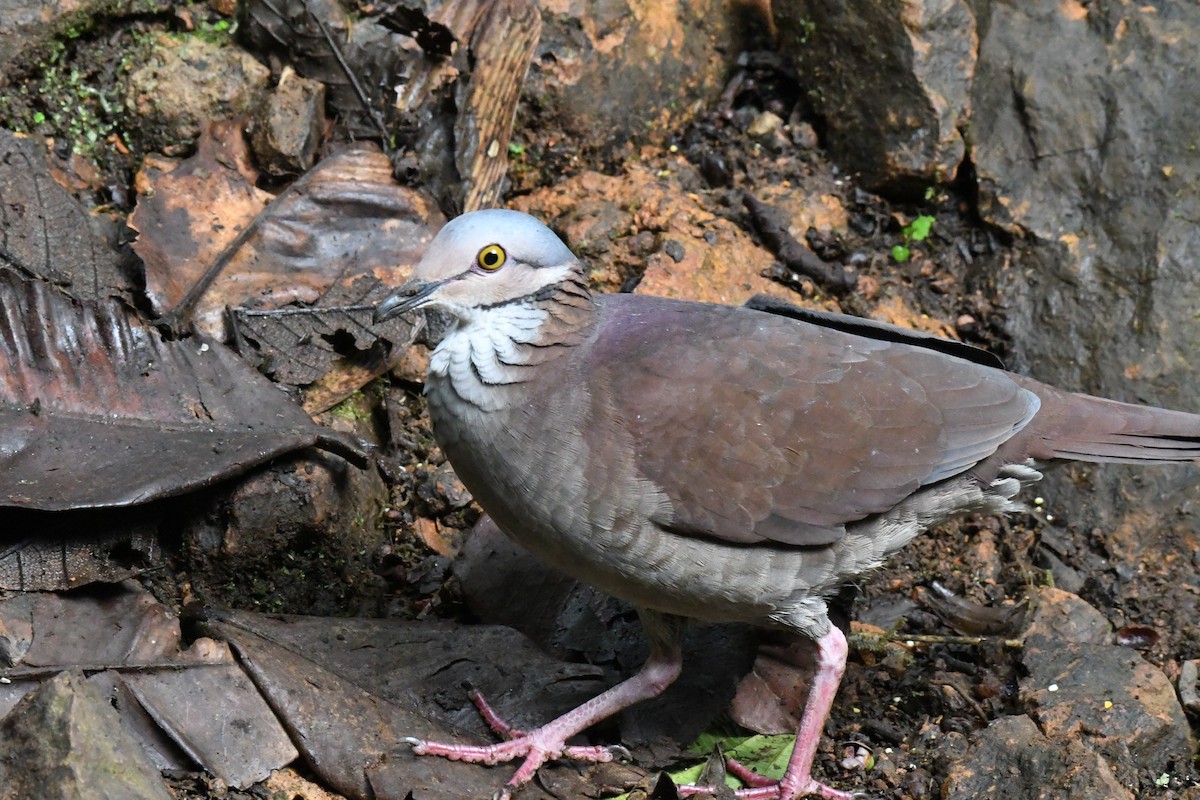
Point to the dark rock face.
(1088, 149)
(609, 72)
(891, 80)
(1011, 759)
(1078, 125)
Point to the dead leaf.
(348, 689)
(204, 225)
(42, 551)
(185, 707)
(332, 349)
(96, 410)
(45, 233)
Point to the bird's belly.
(547, 497)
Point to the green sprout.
(916, 231)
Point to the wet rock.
(298, 535)
(1057, 617)
(1086, 148)
(440, 491)
(1189, 685)
(65, 742)
(654, 65)
(183, 83)
(287, 129)
(1080, 684)
(1110, 697)
(764, 125)
(1011, 760)
(890, 80)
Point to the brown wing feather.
(795, 429)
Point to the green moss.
(356, 408)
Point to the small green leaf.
(918, 230)
(516, 149)
(38, 118)
(900, 253)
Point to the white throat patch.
(480, 355)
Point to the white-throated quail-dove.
(720, 463)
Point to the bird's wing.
(762, 428)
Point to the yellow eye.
(491, 257)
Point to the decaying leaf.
(345, 222)
(44, 232)
(299, 279)
(332, 348)
(187, 708)
(345, 690)
(96, 410)
(349, 689)
(43, 551)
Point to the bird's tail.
(1086, 428)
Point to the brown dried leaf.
(96, 410)
(44, 551)
(200, 698)
(347, 218)
(348, 689)
(332, 349)
(44, 232)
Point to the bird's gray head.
(483, 259)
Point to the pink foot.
(549, 742)
(797, 781)
(535, 747)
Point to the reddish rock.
(1012, 760)
(606, 74)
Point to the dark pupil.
(490, 258)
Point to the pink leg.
(797, 780)
(549, 741)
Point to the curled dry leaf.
(299, 278)
(96, 410)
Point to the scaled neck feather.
(498, 348)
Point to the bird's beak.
(412, 294)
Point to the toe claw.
(621, 752)
(412, 740)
